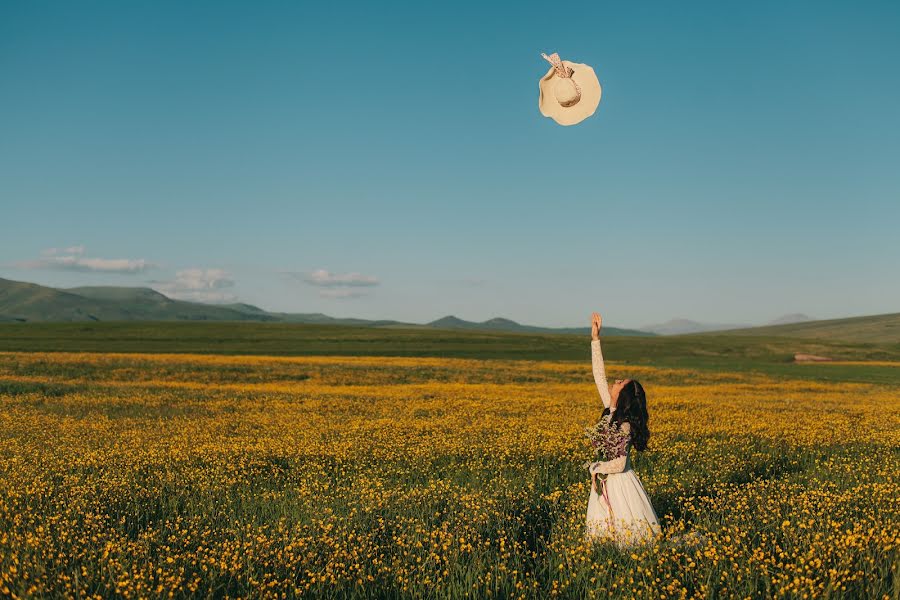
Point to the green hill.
(22, 301)
(29, 302)
(244, 308)
(501, 324)
(876, 329)
(119, 294)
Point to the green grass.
(106, 486)
(721, 352)
(883, 329)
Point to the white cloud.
(76, 250)
(323, 278)
(338, 285)
(342, 293)
(73, 259)
(198, 285)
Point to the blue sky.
(388, 160)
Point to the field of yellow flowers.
(188, 475)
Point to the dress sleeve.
(599, 372)
(616, 465)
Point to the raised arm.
(597, 360)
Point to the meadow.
(212, 475)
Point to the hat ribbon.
(561, 69)
(564, 72)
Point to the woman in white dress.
(618, 508)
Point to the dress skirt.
(620, 511)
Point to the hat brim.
(587, 81)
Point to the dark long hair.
(631, 407)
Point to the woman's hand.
(596, 324)
(594, 481)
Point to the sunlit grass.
(145, 475)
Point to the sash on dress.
(605, 495)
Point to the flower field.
(164, 475)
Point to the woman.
(620, 509)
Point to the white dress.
(618, 509)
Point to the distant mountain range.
(869, 329)
(790, 319)
(501, 324)
(683, 326)
(29, 302)
(686, 326)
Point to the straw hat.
(570, 92)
